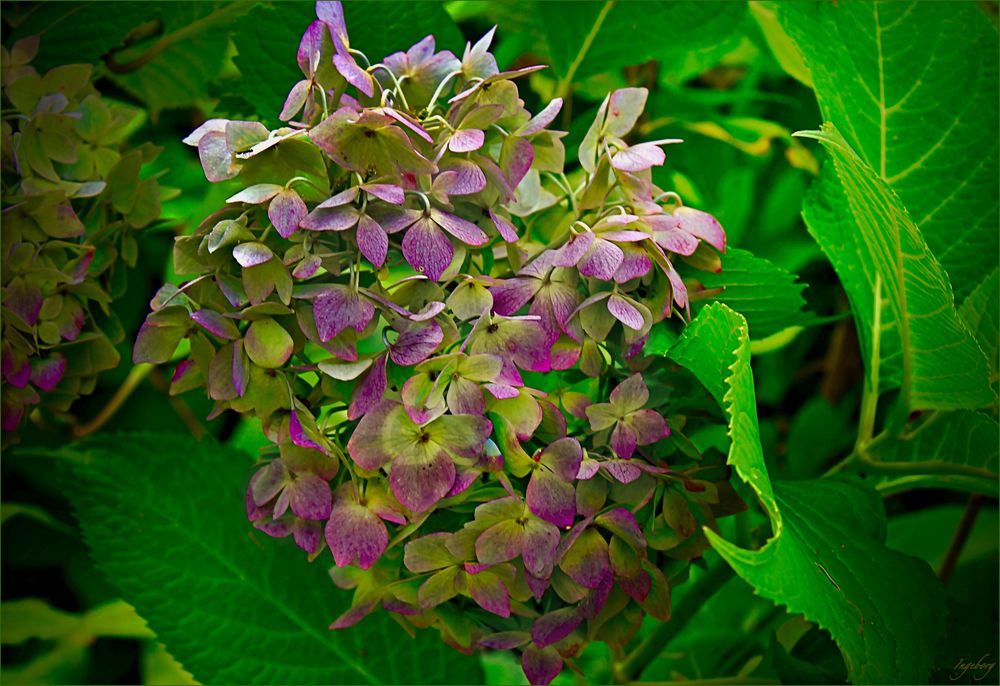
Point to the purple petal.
(268, 482)
(331, 13)
(338, 309)
(24, 300)
(388, 192)
(466, 397)
(216, 324)
(416, 344)
(638, 157)
(505, 640)
(563, 457)
(251, 254)
(47, 374)
(355, 614)
(372, 241)
(505, 227)
(703, 225)
(511, 295)
(540, 542)
(466, 140)
(297, 435)
(427, 249)
(622, 523)
(310, 47)
(623, 440)
(516, 157)
(460, 178)
(625, 312)
(635, 265)
(463, 230)
(463, 479)
(286, 212)
(333, 219)
(541, 665)
(676, 241)
(554, 626)
(340, 199)
(587, 562)
(622, 471)
(308, 536)
(648, 425)
(355, 75)
(369, 392)
(592, 605)
(571, 253)
(310, 497)
(240, 369)
(419, 481)
(602, 260)
(542, 119)
(551, 498)
(216, 157)
(355, 534)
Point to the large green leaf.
(981, 311)
(943, 366)
(828, 558)
(269, 37)
(912, 86)
(166, 521)
(765, 294)
(587, 38)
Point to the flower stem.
(654, 644)
(132, 381)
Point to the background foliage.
(860, 299)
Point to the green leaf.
(962, 442)
(942, 366)
(980, 314)
(231, 604)
(882, 608)
(586, 38)
(923, 119)
(269, 38)
(765, 294)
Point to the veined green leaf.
(165, 518)
(585, 38)
(765, 294)
(912, 86)
(964, 437)
(828, 558)
(980, 312)
(943, 367)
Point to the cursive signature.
(978, 670)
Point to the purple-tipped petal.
(308, 536)
(622, 523)
(416, 344)
(46, 374)
(268, 482)
(388, 192)
(215, 323)
(298, 435)
(427, 249)
(587, 562)
(251, 254)
(554, 626)
(286, 212)
(648, 425)
(489, 593)
(511, 295)
(505, 640)
(563, 457)
(460, 178)
(355, 75)
(622, 471)
(505, 227)
(541, 539)
(542, 119)
(462, 229)
(372, 241)
(338, 309)
(330, 219)
(370, 391)
(541, 665)
(551, 498)
(625, 312)
(354, 615)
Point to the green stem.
(132, 381)
(655, 643)
(869, 401)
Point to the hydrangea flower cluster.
(406, 264)
(72, 200)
